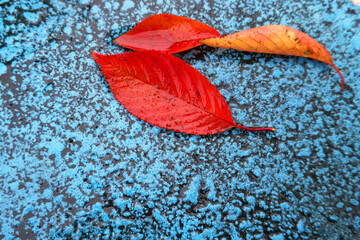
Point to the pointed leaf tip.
(94, 55)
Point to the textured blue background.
(75, 163)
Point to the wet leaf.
(167, 92)
(275, 39)
(167, 33)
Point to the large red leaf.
(167, 92)
(275, 39)
(167, 33)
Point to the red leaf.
(167, 92)
(167, 33)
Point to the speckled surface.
(75, 164)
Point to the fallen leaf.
(275, 39)
(167, 92)
(167, 33)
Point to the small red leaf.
(167, 92)
(167, 33)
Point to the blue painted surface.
(75, 163)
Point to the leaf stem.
(341, 76)
(253, 129)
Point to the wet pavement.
(75, 164)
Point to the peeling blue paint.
(75, 164)
(3, 69)
(127, 4)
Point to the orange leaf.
(275, 39)
(166, 33)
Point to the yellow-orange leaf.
(275, 39)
